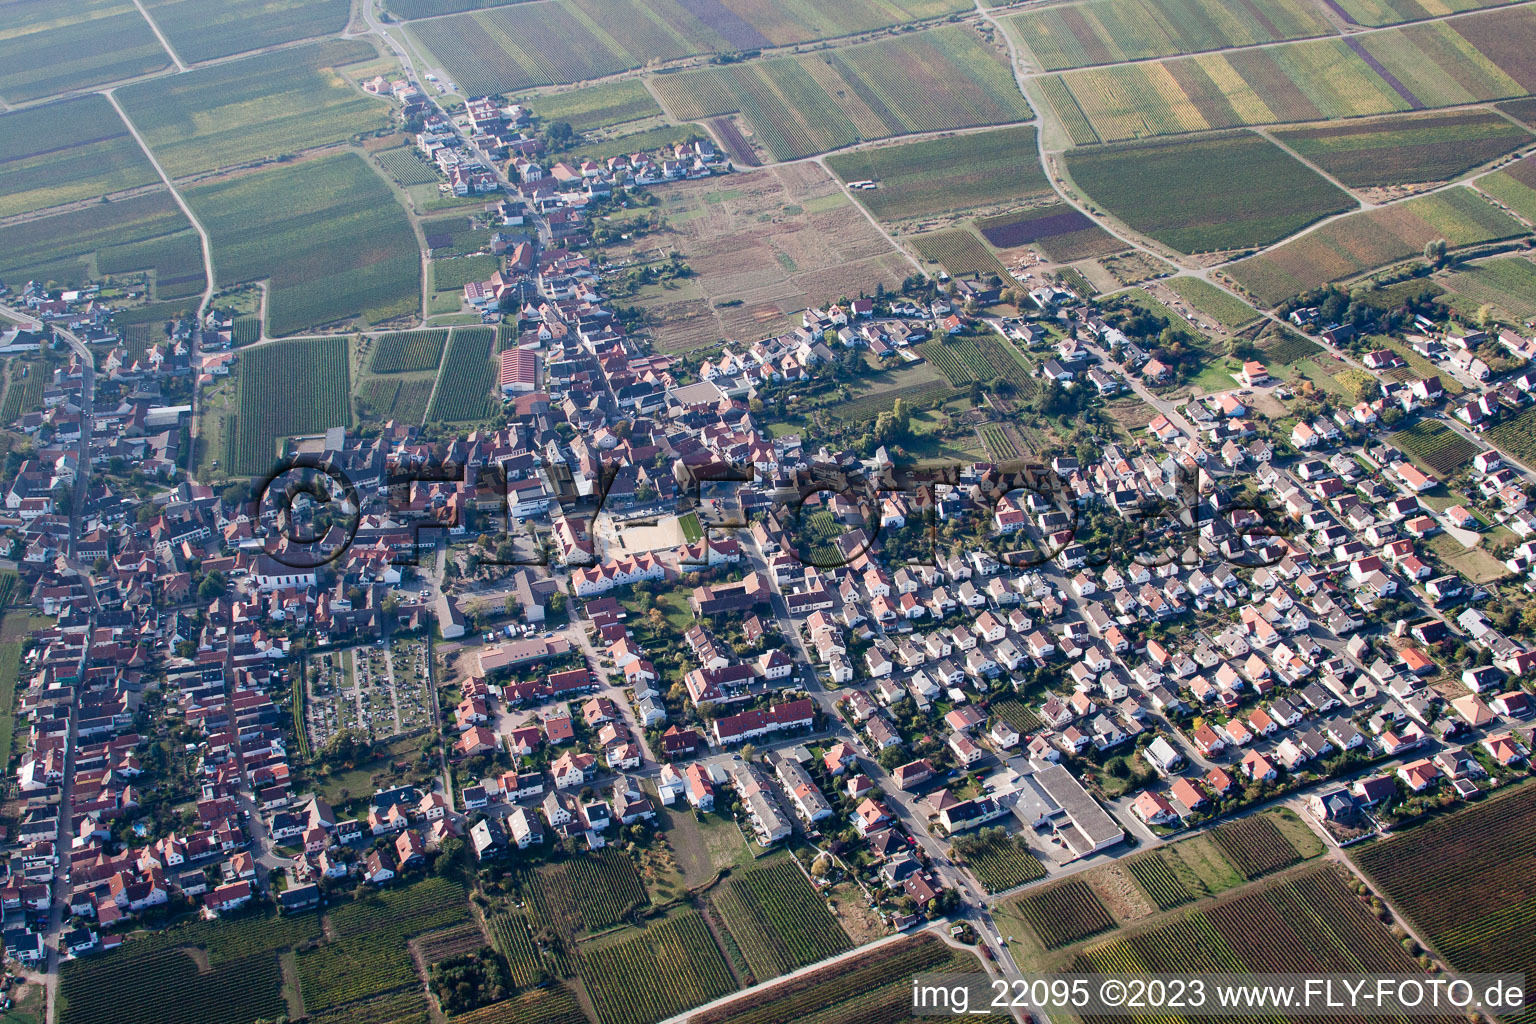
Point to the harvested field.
(1222, 192)
(1353, 245)
(958, 251)
(775, 241)
(50, 48)
(327, 235)
(1406, 149)
(1111, 31)
(516, 47)
(947, 175)
(67, 152)
(795, 106)
(259, 108)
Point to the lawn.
(48, 47)
(956, 173)
(66, 152)
(1375, 238)
(260, 108)
(327, 235)
(201, 30)
(1405, 149)
(144, 233)
(1222, 192)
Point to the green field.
(47, 47)
(1111, 31)
(1514, 186)
(259, 108)
(1508, 284)
(1060, 231)
(143, 233)
(1210, 194)
(796, 106)
(1223, 307)
(513, 48)
(999, 861)
(452, 274)
(777, 919)
(201, 30)
(10, 674)
(597, 106)
(407, 350)
(1364, 241)
(286, 388)
(327, 236)
(406, 166)
(1437, 64)
(67, 152)
(1402, 150)
(670, 966)
(958, 251)
(468, 378)
(401, 397)
(932, 176)
(1437, 446)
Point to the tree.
(1434, 252)
(212, 588)
(748, 751)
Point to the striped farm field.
(1353, 245)
(670, 966)
(554, 1005)
(1110, 31)
(467, 379)
(1437, 446)
(405, 166)
(146, 232)
(67, 152)
(1255, 846)
(1223, 307)
(1156, 877)
(1467, 881)
(1060, 231)
(1199, 195)
(407, 350)
(1404, 149)
(1311, 924)
(287, 388)
(48, 47)
(1064, 913)
(777, 919)
(1375, 13)
(327, 235)
(999, 861)
(558, 42)
(1508, 284)
(1514, 186)
(259, 108)
(958, 251)
(796, 106)
(201, 30)
(959, 172)
(597, 106)
(1487, 56)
